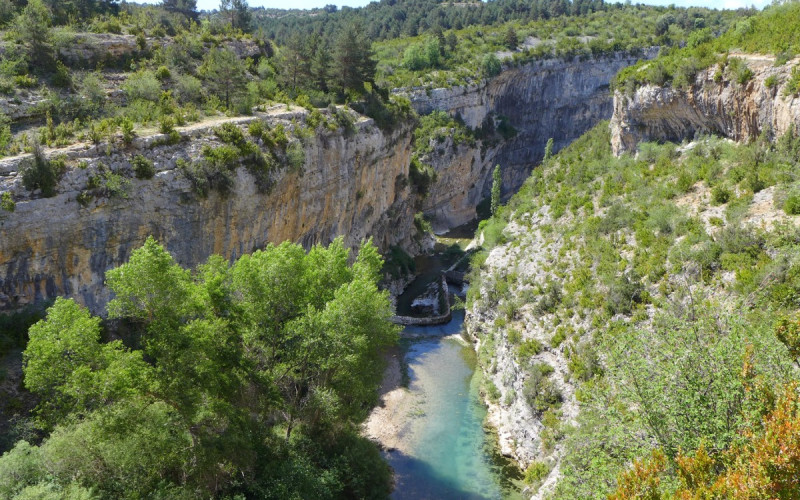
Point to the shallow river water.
(446, 453)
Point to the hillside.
(644, 302)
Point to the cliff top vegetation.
(775, 31)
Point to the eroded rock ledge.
(710, 105)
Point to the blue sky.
(309, 4)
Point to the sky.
(310, 4)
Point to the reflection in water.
(448, 456)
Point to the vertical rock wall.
(352, 184)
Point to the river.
(436, 442)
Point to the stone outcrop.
(352, 184)
(710, 105)
(559, 99)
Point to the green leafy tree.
(282, 341)
(490, 65)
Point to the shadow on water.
(418, 480)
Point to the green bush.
(25, 81)
(771, 82)
(536, 472)
(624, 292)
(40, 173)
(128, 134)
(166, 125)
(163, 73)
(528, 349)
(142, 167)
(7, 202)
(792, 204)
(490, 65)
(142, 85)
(720, 195)
(540, 391)
(296, 156)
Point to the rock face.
(559, 99)
(352, 184)
(709, 106)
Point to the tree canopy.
(246, 378)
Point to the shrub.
(792, 204)
(7, 202)
(126, 125)
(771, 82)
(25, 81)
(539, 389)
(142, 167)
(490, 65)
(188, 89)
(529, 349)
(61, 76)
(793, 85)
(536, 472)
(623, 293)
(166, 125)
(142, 85)
(163, 73)
(296, 155)
(720, 195)
(41, 173)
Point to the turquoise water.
(450, 455)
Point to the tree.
(187, 8)
(548, 150)
(511, 39)
(354, 63)
(295, 62)
(497, 184)
(237, 13)
(281, 341)
(33, 29)
(225, 73)
(490, 65)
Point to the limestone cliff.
(352, 184)
(559, 99)
(714, 103)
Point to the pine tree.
(187, 8)
(353, 57)
(237, 12)
(511, 39)
(497, 183)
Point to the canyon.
(353, 183)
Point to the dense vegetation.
(444, 57)
(233, 381)
(666, 283)
(774, 31)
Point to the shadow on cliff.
(415, 479)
